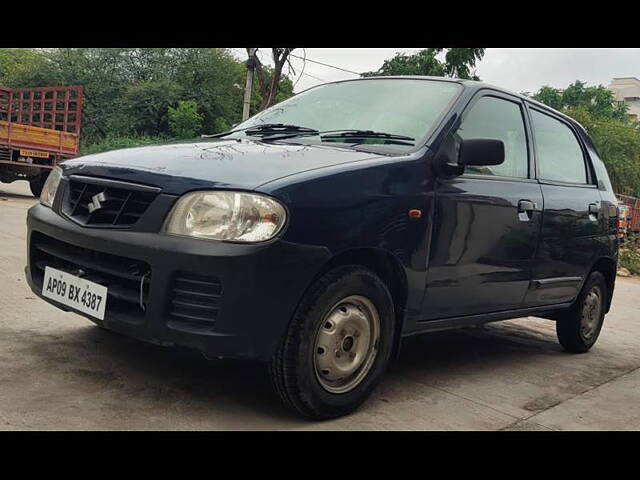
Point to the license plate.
(34, 153)
(78, 293)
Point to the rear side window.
(559, 155)
(492, 117)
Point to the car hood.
(180, 167)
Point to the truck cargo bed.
(39, 127)
(16, 135)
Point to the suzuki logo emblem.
(95, 204)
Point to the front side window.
(496, 118)
(397, 106)
(558, 152)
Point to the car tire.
(337, 346)
(579, 327)
(37, 183)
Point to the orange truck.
(39, 127)
(631, 220)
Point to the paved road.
(59, 371)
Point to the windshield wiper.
(282, 131)
(348, 133)
(355, 134)
(266, 129)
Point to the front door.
(486, 223)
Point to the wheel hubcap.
(591, 310)
(347, 344)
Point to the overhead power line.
(304, 64)
(317, 62)
(260, 53)
(325, 64)
(308, 75)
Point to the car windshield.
(404, 107)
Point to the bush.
(630, 254)
(114, 143)
(185, 121)
(144, 108)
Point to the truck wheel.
(37, 183)
(579, 328)
(337, 346)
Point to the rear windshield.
(397, 106)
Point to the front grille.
(122, 276)
(194, 301)
(108, 204)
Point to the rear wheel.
(36, 183)
(579, 328)
(337, 346)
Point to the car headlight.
(225, 215)
(50, 187)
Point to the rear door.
(487, 221)
(573, 218)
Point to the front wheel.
(579, 328)
(337, 346)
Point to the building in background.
(627, 90)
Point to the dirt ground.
(59, 371)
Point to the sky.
(518, 70)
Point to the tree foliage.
(615, 136)
(22, 62)
(597, 100)
(458, 62)
(184, 120)
(128, 91)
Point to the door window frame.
(591, 180)
(489, 92)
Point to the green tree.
(549, 96)
(144, 107)
(128, 91)
(458, 62)
(25, 67)
(269, 80)
(184, 120)
(215, 79)
(597, 100)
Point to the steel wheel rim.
(346, 344)
(591, 313)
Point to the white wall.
(627, 90)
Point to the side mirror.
(481, 152)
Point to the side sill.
(471, 320)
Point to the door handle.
(526, 206)
(526, 209)
(594, 210)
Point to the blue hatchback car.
(319, 233)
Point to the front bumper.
(261, 285)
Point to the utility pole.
(247, 91)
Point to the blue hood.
(180, 167)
